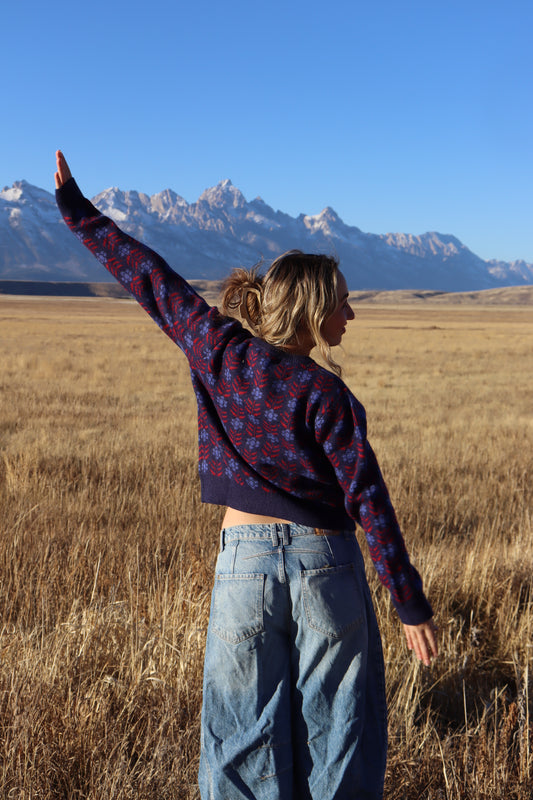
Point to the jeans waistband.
(277, 532)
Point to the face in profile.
(334, 327)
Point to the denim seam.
(329, 546)
(234, 559)
(260, 555)
(293, 550)
(275, 774)
(274, 746)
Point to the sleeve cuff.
(415, 611)
(73, 204)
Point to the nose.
(350, 313)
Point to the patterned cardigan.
(278, 434)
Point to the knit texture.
(278, 434)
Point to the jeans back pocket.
(333, 600)
(237, 611)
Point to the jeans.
(294, 694)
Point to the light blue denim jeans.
(294, 694)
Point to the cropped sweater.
(278, 434)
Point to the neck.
(301, 345)
(297, 349)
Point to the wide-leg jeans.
(294, 698)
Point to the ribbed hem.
(415, 611)
(279, 505)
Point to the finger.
(419, 647)
(432, 639)
(62, 167)
(423, 647)
(429, 645)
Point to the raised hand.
(63, 172)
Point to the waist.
(234, 517)
(282, 531)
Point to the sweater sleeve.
(170, 301)
(341, 429)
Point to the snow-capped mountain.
(222, 229)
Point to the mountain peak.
(24, 192)
(328, 223)
(223, 194)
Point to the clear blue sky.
(409, 115)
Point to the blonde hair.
(294, 297)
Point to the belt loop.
(222, 539)
(285, 529)
(274, 534)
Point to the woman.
(294, 700)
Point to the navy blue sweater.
(279, 435)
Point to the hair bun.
(242, 294)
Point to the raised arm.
(171, 302)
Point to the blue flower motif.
(231, 467)
(389, 551)
(371, 539)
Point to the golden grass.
(106, 554)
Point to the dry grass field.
(106, 554)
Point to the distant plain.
(508, 295)
(107, 554)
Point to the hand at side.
(422, 639)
